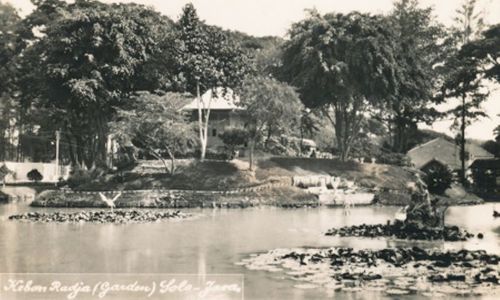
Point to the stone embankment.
(273, 192)
(277, 191)
(117, 216)
(401, 230)
(398, 271)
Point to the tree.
(9, 19)
(493, 147)
(309, 125)
(8, 45)
(153, 123)
(263, 99)
(486, 49)
(234, 137)
(4, 171)
(87, 60)
(342, 64)
(420, 43)
(34, 175)
(206, 59)
(438, 178)
(463, 79)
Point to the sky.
(274, 17)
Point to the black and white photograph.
(249, 149)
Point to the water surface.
(212, 243)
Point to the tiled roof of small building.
(222, 99)
(445, 152)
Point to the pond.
(213, 243)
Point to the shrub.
(81, 179)
(124, 163)
(283, 146)
(35, 175)
(217, 155)
(438, 178)
(4, 198)
(234, 137)
(4, 171)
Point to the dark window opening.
(214, 132)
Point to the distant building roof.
(309, 142)
(222, 99)
(445, 152)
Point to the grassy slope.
(366, 175)
(221, 175)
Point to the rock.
(316, 258)
(442, 263)
(402, 230)
(455, 277)
(437, 278)
(480, 236)
(369, 277)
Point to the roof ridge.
(426, 143)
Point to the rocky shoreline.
(397, 271)
(401, 230)
(117, 216)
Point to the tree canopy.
(86, 62)
(205, 58)
(153, 123)
(420, 45)
(463, 79)
(486, 49)
(267, 102)
(343, 64)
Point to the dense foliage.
(438, 178)
(87, 60)
(343, 64)
(153, 123)
(464, 80)
(267, 103)
(116, 76)
(420, 44)
(34, 175)
(205, 58)
(234, 137)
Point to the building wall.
(48, 171)
(219, 121)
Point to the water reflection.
(212, 243)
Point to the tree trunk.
(462, 142)
(70, 150)
(269, 134)
(157, 156)
(203, 118)
(102, 137)
(251, 147)
(172, 160)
